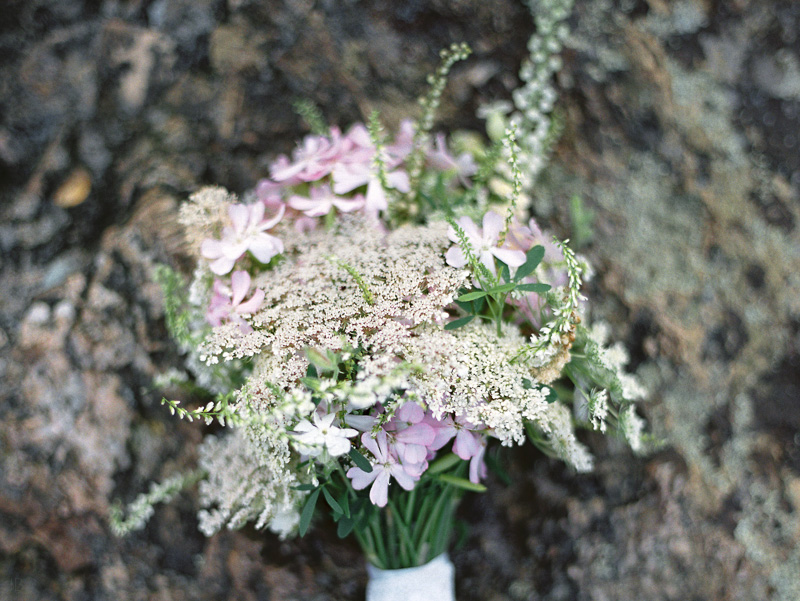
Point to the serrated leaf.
(532, 259)
(308, 512)
(332, 502)
(538, 288)
(457, 323)
(462, 483)
(360, 460)
(470, 296)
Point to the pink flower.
(313, 160)
(411, 436)
(349, 176)
(322, 200)
(483, 243)
(403, 143)
(441, 158)
(246, 232)
(385, 467)
(470, 445)
(228, 305)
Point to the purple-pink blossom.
(385, 466)
(228, 304)
(442, 159)
(246, 232)
(321, 200)
(484, 244)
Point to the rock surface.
(681, 138)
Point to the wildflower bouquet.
(373, 317)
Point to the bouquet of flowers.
(372, 318)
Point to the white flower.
(321, 435)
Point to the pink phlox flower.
(228, 304)
(442, 159)
(444, 431)
(349, 176)
(403, 143)
(312, 160)
(321, 200)
(384, 467)
(470, 444)
(524, 238)
(270, 193)
(411, 436)
(484, 244)
(247, 232)
(322, 435)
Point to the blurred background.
(678, 175)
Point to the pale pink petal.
(466, 444)
(222, 265)
(211, 249)
(477, 467)
(379, 493)
(403, 478)
(492, 226)
(360, 422)
(410, 412)
(512, 258)
(253, 304)
(413, 454)
(470, 229)
(266, 225)
(360, 478)
(238, 215)
(399, 181)
(372, 445)
(347, 178)
(421, 434)
(337, 445)
(346, 205)
(240, 285)
(487, 259)
(376, 196)
(455, 257)
(310, 206)
(264, 247)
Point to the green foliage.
(582, 219)
(312, 116)
(492, 298)
(141, 510)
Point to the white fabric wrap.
(434, 581)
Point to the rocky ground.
(682, 140)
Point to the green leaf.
(462, 483)
(304, 487)
(494, 464)
(360, 460)
(345, 527)
(311, 372)
(552, 396)
(504, 272)
(457, 323)
(537, 288)
(332, 502)
(322, 361)
(443, 464)
(502, 288)
(472, 295)
(308, 512)
(532, 259)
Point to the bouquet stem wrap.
(431, 581)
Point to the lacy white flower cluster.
(368, 339)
